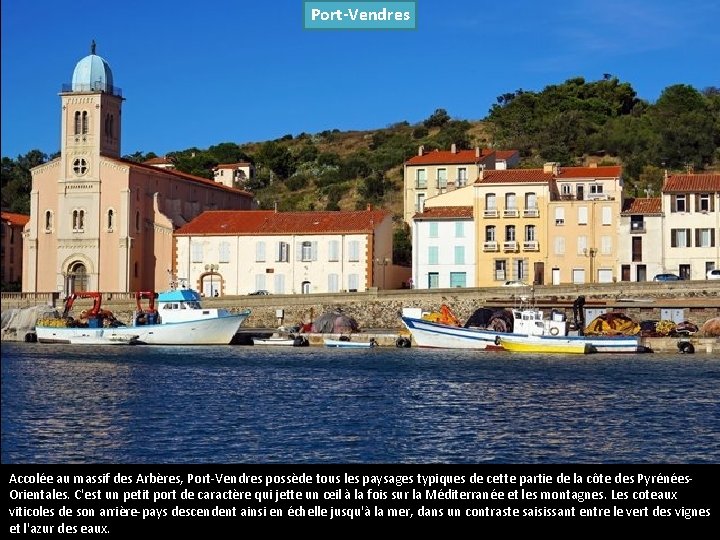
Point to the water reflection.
(239, 404)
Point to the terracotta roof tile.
(514, 175)
(443, 157)
(269, 222)
(158, 161)
(233, 165)
(650, 205)
(506, 154)
(178, 174)
(445, 212)
(590, 172)
(697, 183)
(15, 219)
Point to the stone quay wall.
(380, 309)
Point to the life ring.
(554, 331)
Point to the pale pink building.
(99, 222)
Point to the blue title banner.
(328, 15)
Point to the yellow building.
(511, 214)
(97, 221)
(551, 225)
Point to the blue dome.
(92, 74)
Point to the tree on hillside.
(194, 161)
(683, 120)
(17, 181)
(228, 152)
(437, 119)
(140, 157)
(277, 158)
(650, 181)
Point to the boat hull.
(214, 331)
(442, 336)
(533, 344)
(339, 343)
(86, 336)
(438, 335)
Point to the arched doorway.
(77, 278)
(211, 284)
(306, 287)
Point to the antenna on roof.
(92, 47)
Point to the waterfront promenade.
(377, 311)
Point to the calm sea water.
(244, 404)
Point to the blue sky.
(195, 74)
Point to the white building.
(235, 253)
(443, 240)
(691, 224)
(234, 174)
(641, 234)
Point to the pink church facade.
(97, 221)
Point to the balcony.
(559, 222)
(490, 246)
(511, 212)
(510, 246)
(531, 245)
(597, 196)
(531, 212)
(490, 213)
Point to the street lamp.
(590, 253)
(212, 268)
(383, 262)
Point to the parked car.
(667, 277)
(260, 292)
(713, 274)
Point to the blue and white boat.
(526, 322)
(178, 319)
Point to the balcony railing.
(637, 227)
(511, 212)
(531, 245)
(531, 212)
(490, 246)
(510, 246)
(490, 213)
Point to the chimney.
(477, 152)
(421, 150)
(369, 207)
(453, 148)
(482, 172)
(551, 167)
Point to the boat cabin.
(533, 322)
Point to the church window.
(79, 166)
(84, 122)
